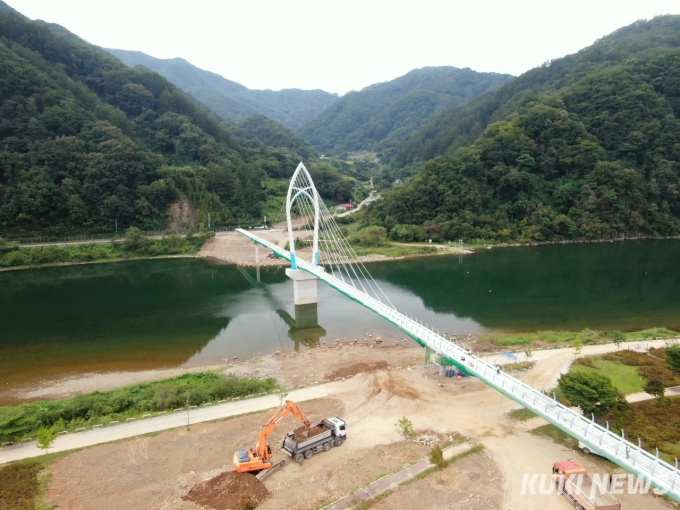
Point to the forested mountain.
(260, 130)
(290, 107)
(461, 125)
(86, 141)
(380, 116)
(585, 146)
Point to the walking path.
(639, 397)
(393, 480)
(170, 421)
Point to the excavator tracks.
(263, 475)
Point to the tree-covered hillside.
(290, 107)
(461, 125)
(379, 117)
(585, 147)
(86, 142)
(260, 130)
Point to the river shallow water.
(136, 315)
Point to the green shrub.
(17, 422)
(134, 246)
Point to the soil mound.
(301, 433)
(230, 490)
(358, 368)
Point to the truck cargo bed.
(601, 500)
(303, 437)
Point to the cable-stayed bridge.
(334, 262)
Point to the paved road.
(72, 243)
(391, 481)
(588, 350)
(170, 421)
(90, 241)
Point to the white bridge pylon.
(302, 188)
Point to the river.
(64, 321)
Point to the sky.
(345, 45)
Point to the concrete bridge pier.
(304, 286)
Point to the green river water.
(62, 321)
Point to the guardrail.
(600, 439)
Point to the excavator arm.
(262, 449)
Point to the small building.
(343, 207)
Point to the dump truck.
(574, 483)
(304, 442)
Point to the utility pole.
(116, 225)
(208, 220)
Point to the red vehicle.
(575, 484)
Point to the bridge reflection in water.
(304, 328)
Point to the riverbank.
(234, 248)
(101, 261)
(133, 247)
(291, 369)
(288, 369)
(475, 246)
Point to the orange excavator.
(259, 458)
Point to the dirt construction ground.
(238, 249)
(156, 472)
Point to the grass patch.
(23, 483)
(24, 420)
(556, 435)
(394, 250)
(19, 486)
(454, 439)
(510, 339)
(624, 377)
(503, 339)
(522, 414)
(519, 367)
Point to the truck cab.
(339, 427)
